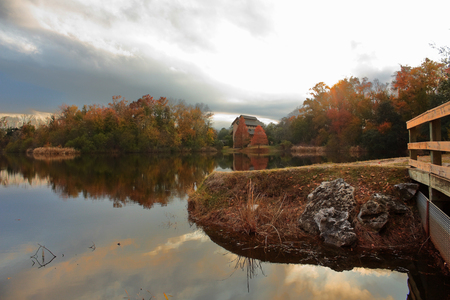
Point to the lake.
(117, 227)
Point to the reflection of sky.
(159, 252)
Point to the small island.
(363, 210)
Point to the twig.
(93, 246)
(423, 244)
(36, 260)
(49, 251)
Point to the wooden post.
(413, 139)
(427, 220)
(435, 156)
(435, 136)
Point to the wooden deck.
(432, 174)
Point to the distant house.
(250, 122)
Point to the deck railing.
(432, 174)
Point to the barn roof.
(249, 121)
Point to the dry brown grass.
(269, 221)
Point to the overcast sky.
(239, 57)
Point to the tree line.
(352, 112)
(370, 114)
(147, 124)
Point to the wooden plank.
(430, 168)
(440, 184)
(436, 146)
(420, 176)
(434, 181)
(430, 115)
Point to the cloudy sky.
(252, 57)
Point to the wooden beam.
(430, 115)
(437, 146)
(433, 181)
(430, 168)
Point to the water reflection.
(106, 253)
(251, 266)
(145, 180)
(245, 162)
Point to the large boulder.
(328, 211)
(376, 212)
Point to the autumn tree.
(259, 137)
(241, 137)
(416, 88)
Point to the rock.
(328, 210)
(393, 205)
(376, 212)
(374, 215)
(334, 227)
(405, 191)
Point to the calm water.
(117, 228)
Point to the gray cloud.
(367, 67)
(78, 52)
(64, 69)
(266, 106)
(383, 74)
(85, 75)
(194, 24)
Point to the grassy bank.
(264, 206)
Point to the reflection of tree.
(259, 162)
(126, 179)
(241, 162)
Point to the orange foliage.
(242, 136)
(385, 127)
(259, 162)
(259, 137)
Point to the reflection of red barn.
(250, 122)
